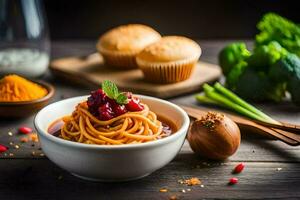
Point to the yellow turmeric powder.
(15, 88)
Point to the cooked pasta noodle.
(131, 127)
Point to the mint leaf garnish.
(111, 90)
(122, 99)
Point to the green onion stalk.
(219, 95)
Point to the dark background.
(201, 19)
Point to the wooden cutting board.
(91, 69)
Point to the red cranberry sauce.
(105, 108)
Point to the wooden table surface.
(272, 168)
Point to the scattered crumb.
(253, 151)
(279, 169)
(11, 154)
(192, 181)
(189, 189)
(33, 153)
(41, 154)
(24, 139)
(202, 186)
(30, 137)
(173, 197)
(11, 143)
(33, 137)
(163, 190)
(180, 181)
(17, 146)
(183, 191)
(5, 154)
(10, 133)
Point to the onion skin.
(217, 141)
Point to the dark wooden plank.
(40, 179)
(260, 150)
(251, 150)
(35, 177)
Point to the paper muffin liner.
(120, 60)
(171, 72)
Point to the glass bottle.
(24, 38)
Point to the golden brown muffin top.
(169, 49)
(128, 38)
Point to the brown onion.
(214, 136)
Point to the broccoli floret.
(234, 74)
(274, 27)
(231, 55)
(274, 66)
(266, 55)
(256, 86)
(285, 68)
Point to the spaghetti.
(128, 128)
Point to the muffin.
(169, 60)
(120, 45)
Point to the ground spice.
(15, 88)
(173, 197)
(192, 181)
(30, 137)
(33, 137)
(24, 139)
(210, 119)
(163, 190)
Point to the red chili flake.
(233, 181)
(239, 168)
(25, 130)
(3, 148)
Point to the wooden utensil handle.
(284, 126)
(286, 137)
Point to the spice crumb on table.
(163, 190)
(16, 143)
(192, 181)
(173, 197)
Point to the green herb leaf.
(122, 99)
(110, 89)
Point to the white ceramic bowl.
(116, 162)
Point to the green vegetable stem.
(241, 102)
(219, 95)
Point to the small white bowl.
(115, 162)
